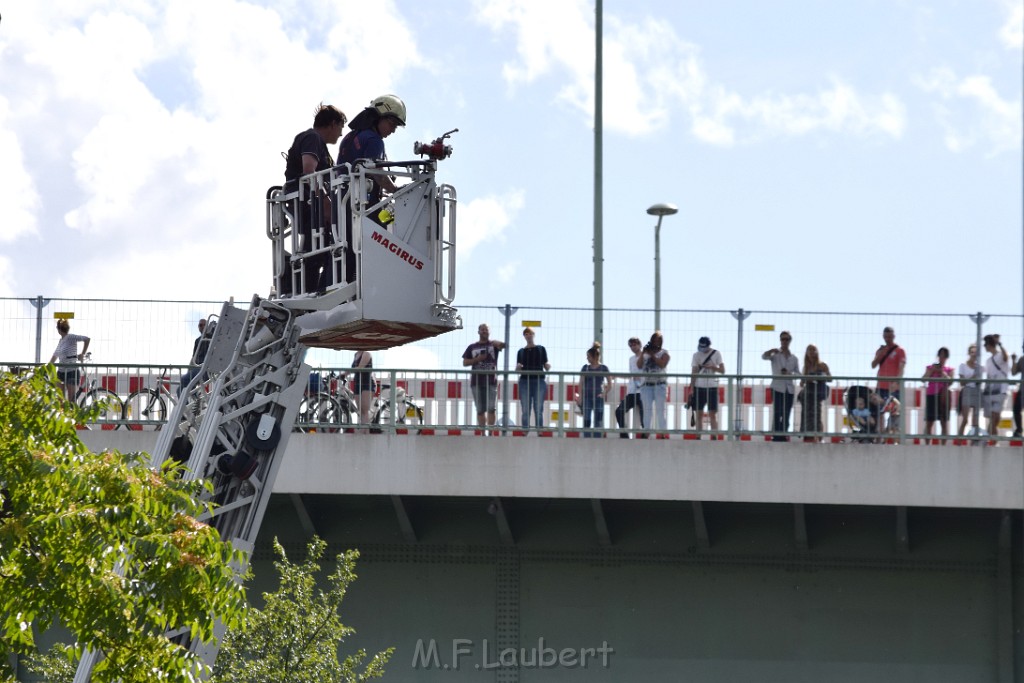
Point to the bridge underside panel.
(838, 596)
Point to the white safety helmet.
(390, 105)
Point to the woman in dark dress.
(812, 393)
(362, 386)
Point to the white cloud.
(18, 195)
(163, 165)
(1011, 33)
(972, 112)
(507, 273)
(838, 109)
(486, 219)
(6, 288)
(408, 357)
(653, 72)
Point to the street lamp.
(659, 210)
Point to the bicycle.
(146, 408)
(410, 414)
(326, 410)
(89, 395)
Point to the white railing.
(444, 405)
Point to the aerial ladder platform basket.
(389, 262)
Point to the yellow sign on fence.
(764, 328)
(63, 315)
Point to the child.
(888, 408)
(861, 416)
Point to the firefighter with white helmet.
(365, 140)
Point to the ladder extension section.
(232, 426)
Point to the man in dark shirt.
(309, 154)
(482, 355)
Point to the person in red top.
(890, 359)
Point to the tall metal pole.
(659, 210)
(506, 397)
(740, 316)
(657, 274)
(598, 191)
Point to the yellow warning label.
(63, 315)
(764, 328)
(531, 323)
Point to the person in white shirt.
(632, 400)
(784, 365)
(654, 389)
(706, 362)
(66, 354)
(993, 395)
(970, 393)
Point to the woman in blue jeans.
(594, 382)
(532, 360)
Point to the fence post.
(507, 311)
(979, 320)
(737, 394)
(40, 303)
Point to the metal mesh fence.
(161, 332)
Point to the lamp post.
(659, 210)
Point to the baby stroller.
(869, 414)
(862, 413)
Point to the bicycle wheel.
(411, 414)
(381, 413)
(305, 415)
(144, 408)
(110, 404)
(331, 415)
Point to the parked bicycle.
(91, 392)
(147, 408)
(328, 404)
(408, 413)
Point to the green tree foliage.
(295, 637)
(102, 544)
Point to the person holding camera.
(654, 389)
(993, 395)
(784, 365)
(482, 356)
(705, 364)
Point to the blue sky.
(804, 142)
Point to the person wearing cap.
(703, 383)
(365, 140)
(309, 154)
